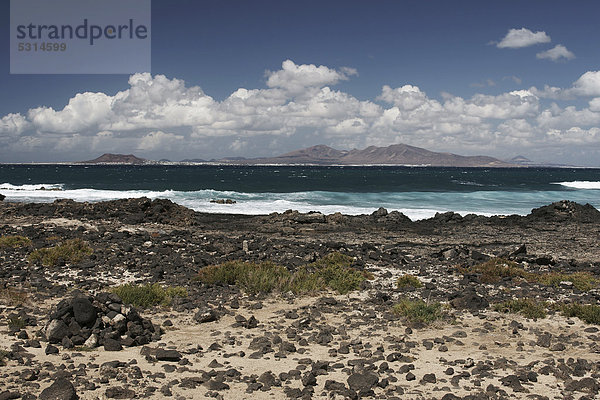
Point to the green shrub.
(263, 278)
(527, 307)
(589, 313)
(495, 269)
(583, 281)
(408, 281)
(332, 271)
(71, 251)
(418, 311)
(303, 281)
(148, 295)
(335, 260)
(13, 242)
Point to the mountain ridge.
(397, 154)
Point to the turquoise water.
(419, 192)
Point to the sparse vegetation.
(13, 297)
(14, 242)
(529, 308)
(149, 295)
(15, 322)
(408, 281)
(332, 271)
(493, 270)
(589, 313)
(71, 251)
(418, 311)
(583, 281)
(83, 349)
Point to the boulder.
(168, 355)
(61, 389)
(468, 300)
(83, 311)
(56, 331)
(362, 382)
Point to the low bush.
(583, 281)
(408, 281)
(527, 307)
(70, 251)
(13, 242)
(148, 295)
(495, 269)
(418, 311)
(589, 313)
(332, 271)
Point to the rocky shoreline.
(65, 335)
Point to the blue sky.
(452, 86)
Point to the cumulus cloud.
(556, 53)
(588, 84)
(13, 124)
(518, 38)
(294, 78)
(159, 115)
(158, 140)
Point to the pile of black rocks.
(102, 320)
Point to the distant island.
(398, 154)
(108, 158)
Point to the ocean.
(418, 192)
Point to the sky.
(260, 78)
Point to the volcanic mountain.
(397, 154)
(109, 158)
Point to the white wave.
(580, 184)
(415, 205)
(37, 186)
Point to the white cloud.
(158, 140)
(13, 124)
(294, 78)
(407, 97)
(518, 38)
(159, 115)
(595, 104)
(556, 53)
(588, 84)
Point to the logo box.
(80, 36)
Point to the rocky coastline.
(65, 333)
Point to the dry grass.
(493, 270)
(529, 308)
(14, 242)
(408, 281)
(418, 311)
(70, 251)
(589, 313)
(333, 271)
(145, 296)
